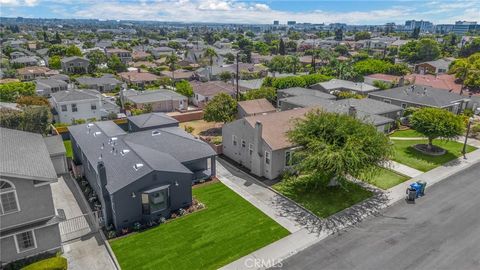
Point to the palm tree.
(210, 53)
(172, 61)
(294, 62)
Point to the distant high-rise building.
(462, 27)
(276, 22)
(443, 28)
(291, 22)
(424, 26)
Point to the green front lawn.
(323, 201)
(228, 229)
(387, 178)
(68, 147)
(406, 154)
(407, 133)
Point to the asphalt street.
(440, 231)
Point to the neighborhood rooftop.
(424, 95)
(25, 155)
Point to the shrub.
(189, 129)
(55, 263)
(9, 92)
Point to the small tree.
(225, 76)
(222, 108)
(268, 93)
(184, 88)
(54, 62)
(334, 146)
(435, 123)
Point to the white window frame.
(404, 105)
(234, 140)
(268, 158)
(34, 241)
(93, 107)
(250, 149)
(244, 144)
(64, 106)
(14, 190)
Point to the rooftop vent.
(95, 134)
(155, 132)
(89, 125)
(137, 166)
(124, 152)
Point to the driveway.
(88, 252)
(439, 231)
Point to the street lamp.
(464, 151)
(236, 76)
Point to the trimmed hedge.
(55, 263)
(295, 81)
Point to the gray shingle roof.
(150, 96)
(75, 95)
(55, 145)
(73, 58)
(25, 155)
(49, 83)
(422, 95)
(335, 84)
(98, 81)
(369, 105)
(152, 120)
(300, 91)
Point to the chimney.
(257, 140)
(104, 196)
(138, 70)
(352, 111)
(102, 176)
(401, 81)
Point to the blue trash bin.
(417, 187)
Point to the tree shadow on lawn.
(340, 220)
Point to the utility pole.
(236, 77)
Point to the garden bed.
(431, 151)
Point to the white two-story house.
(86, 104)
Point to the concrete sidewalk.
(434, 176)
(283, 211)
(302, 238)
(88, 252)
(404, 169)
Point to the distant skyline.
(233, 11)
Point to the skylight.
(137, 166)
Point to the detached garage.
(58, 154)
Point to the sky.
(246, 11)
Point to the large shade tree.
(435, 123)
(333, 146)
(467, 70)
(221, 108)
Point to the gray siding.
(128, 210)
(32, 208)
(47, 240)
(255, 162)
